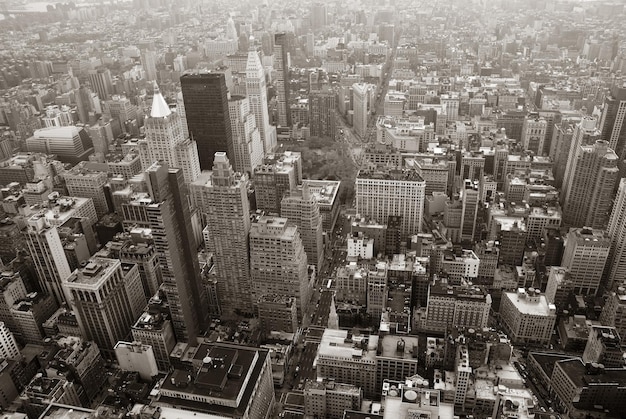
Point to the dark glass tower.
(206, 107)
(165, 211)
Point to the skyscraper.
(246, 138)
(221, 195)
(360, 95)
(205, 96)
(257, 95)
(148, 62)
(589, 193)
(300, 207)
(383, 192)
(165, 140)
(101, 83)
(612, 121)
(281, 65)
(278, 262)
(469, 199)
(586, 253)
(322, 105)
(165, 211)
(48, 256)
(318, 16)
(617, 232)
(107, 298)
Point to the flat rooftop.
(337, 344)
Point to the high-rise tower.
(165, 211)
(281, 65)
(589, 193)
(165, 140)
(221, 195)
(257, 95)
(107, 298)
(206, 108)
(246, 139)
(612, 120)
(617, 232)
(586, 253)
(48, 256)
(300, 207)
(278, 262)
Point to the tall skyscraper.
(617, 232)
(469, 198)
(180, 110)
(271, 183)
(256, 90)
(107, 298)
(221, 195)
(246, 137)
(165, 140)
(278, 262)
(281, 65)
(612, 120)
(318, 16)
(165, 211)
(148, 62)
(48, 256)
(360, 95)
(322, 105)
(585, 133)
(586, 253)
(589, 193)
(300, 207)
(383, 192)
(101, 83)
(205, 96)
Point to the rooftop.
(342, 344)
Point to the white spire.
(159, 106)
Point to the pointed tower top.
(159, 106)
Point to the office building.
(12, 289)
(221, 196)
(589, 193)
(70, 144)
(8, 344)
(325, 192)
(360, 99)
(205, 96)
(277, 313)
(588, 390)
(614, 311)
(463, 306)
(559, 288)
(86, 183)
(8, 389)
(122, 114)
(107, 298)
(585, 256)
(165, 211)
(300, 207)
(319, 16)
(534, 133)
(155, 329)
(148, 62)
(527, 317)
(604, 346)
(328, 399)
(540, 218)
(220, 379)
(617, 233)
(612, 121)
(136, 357)
(349, 359)
(272, 182)
(48, 256)
(281, 66)
(247, 143)
(470, 200)
(278, 262)
(100, 81)
(166, 141)
(256, 91)
(322, 113)
(382, 193)
(30, 313)
(396, 358)
(42, 391)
